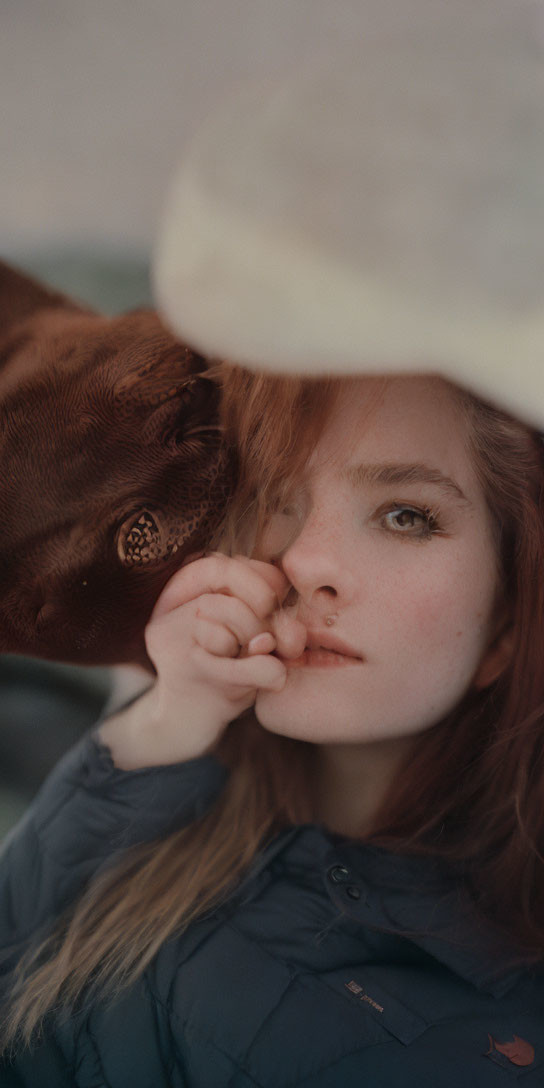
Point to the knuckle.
(217, 559)
(230, 640)
(270, 601)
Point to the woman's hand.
(210, 637)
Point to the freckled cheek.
(435, 615)
(444, 613)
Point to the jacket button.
(339, 874)
(353, 891)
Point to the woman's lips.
(319, 658)
(324, 649)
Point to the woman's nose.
(317, 567)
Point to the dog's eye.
(140, 539)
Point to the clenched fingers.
(243, 674)
(260, 585)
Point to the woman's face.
(413, 598)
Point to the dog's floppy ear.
(21, 296)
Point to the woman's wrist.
(148, 734)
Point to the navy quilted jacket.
(334, 964)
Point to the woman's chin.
(276, 714)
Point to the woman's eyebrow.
(401, 473)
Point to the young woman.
(311, 852)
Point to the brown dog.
(113, 471)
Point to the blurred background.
(97, 103)
(99, 99)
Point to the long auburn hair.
(477, 798)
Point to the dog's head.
(112, 471)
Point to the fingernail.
(260, 642)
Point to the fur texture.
(113, 471)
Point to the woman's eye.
(405, 519)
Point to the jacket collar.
(422, 898)
(419, 897)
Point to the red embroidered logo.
(519, 1052)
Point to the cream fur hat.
(381, 211)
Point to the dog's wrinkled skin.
(113, 471)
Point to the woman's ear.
(496, 659)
